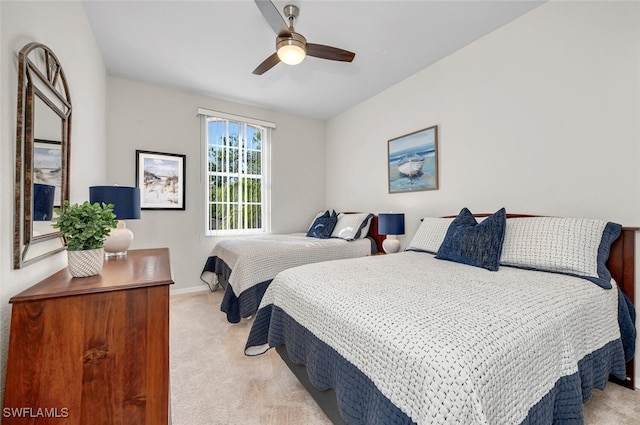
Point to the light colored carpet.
(213, 382)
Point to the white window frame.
(265, 167)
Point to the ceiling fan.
(292, 47)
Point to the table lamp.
(126, 206)
(391, 224)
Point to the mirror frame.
(39, 74)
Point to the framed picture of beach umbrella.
(413, 161)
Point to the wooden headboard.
(622, 265)
(373, 233)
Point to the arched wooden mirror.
(42, 153)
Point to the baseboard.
(190, 290)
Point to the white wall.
(540, 116)
(63, 27)
(146, 117)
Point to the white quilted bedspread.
(260, 258)
(450, 343)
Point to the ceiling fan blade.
(267, 64)
(328, 52)
(273, 17)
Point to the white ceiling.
(211, 47)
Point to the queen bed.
(245, 267)
(519, 334)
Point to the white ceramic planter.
(85, 263)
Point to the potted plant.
(85, 227)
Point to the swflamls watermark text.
(39, 412)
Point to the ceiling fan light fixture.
(291, 47)
(291, 55)
(292, 50)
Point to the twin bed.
(245, 267)
(451, 331)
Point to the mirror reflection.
(42, 153)
(47, 168)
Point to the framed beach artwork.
(413, 161)
(161, 179)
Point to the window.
(237, 151)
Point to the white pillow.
(430, 234)
(349, 226)
(574, 246)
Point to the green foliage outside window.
(235, 181)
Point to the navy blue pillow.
(323, 226)
(473, 243)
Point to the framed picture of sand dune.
(413, 161)
(161, 179)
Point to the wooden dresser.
(92, 350)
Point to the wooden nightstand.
(93, 350)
